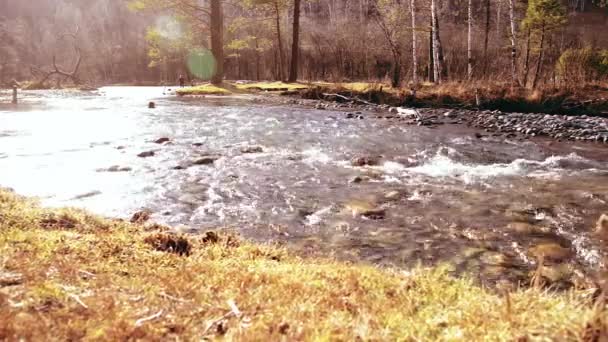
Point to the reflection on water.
(435, 194)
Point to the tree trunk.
(539, 63)
(527, 60)
(470, 42)
(396, 80)
(437, 51)
(295, 47)
(513, 44)
(279, 41)
(217, 40)
(414, 44)
(431, 66)
(486, 39)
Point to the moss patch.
(77, 276)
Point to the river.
(436, 194)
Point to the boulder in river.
(252, 149)
(365, 209)
(365, 161)
(525, 228)
(146, 154)
(205, 160)
(162, 140)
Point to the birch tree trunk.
(470, 42)
(513, 43)
(486, 39)
(414, 44)
(438, 65)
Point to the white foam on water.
(317, 217)
(315, 155)
(442, 165)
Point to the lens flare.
(201, 63)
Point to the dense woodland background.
(556, 43)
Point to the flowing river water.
(437, 194)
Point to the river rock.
(393, 195)
(365, 161)
(162, 140)
(206, 160)
(252, 149)
(601, 228)
(146, 154)
(550, 251)
(115, 168)
(141, 216)
(365, 209)
(525, 228)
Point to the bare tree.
(513, 43)
(295, 47)
(414, 44)
(217, 40)
(470, 42)
(438, 68)
(73, 75)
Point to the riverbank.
(584, 100)
(67, 274)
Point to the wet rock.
(601, 228)
(86, 195)
(393, 195)
(162, 140)
(358, 179)
(141, 216)
(525, 228)
(146, 154)
(365, 161)
(116, 168)
(365, 209)
(550, 251)
(151, 105)
(252, 149)
(197, 144)
(206, 160)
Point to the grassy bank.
(65, 274)
(492, 96)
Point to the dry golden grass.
(204, 89)
(68, 275)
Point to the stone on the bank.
(601, 228)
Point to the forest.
(537, 43)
